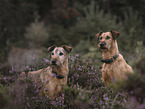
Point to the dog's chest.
(108, 68)
(46, 75)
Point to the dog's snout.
(53, 61)
(102, 44)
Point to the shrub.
(93, 21)
(84, 89)
(37, 34)
(132, 32)
(4, 97)
(84, 73)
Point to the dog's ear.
(97, 35)
(67, 48)
(115, 34)
(51, 48)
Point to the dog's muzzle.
(53, 62)
(102, 45)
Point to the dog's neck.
(112, 52)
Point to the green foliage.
(82, 47)
(89, 25)
(14, 18)
(59, 35)
(132, 32)
(85, 88)
(37, 34)
(139, 52)
(135, 86)
(94, 21)
(4, 97)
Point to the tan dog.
(115, 67)
(51, 79)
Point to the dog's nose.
(53, 61)
(102, 44)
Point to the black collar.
(108, 61)
(58, 76)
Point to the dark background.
(68, 22)
(29, 27)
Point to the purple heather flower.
(83, 97)
(124, 100)
(103, 107)
(37, 91)
(30, 68)
(131, 92)
(106, 99)
(47, 61)
(27, 67)
(5, 78)
(28, 104)
(80, 69)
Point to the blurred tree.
(61, 13)
(132, 25)
(118, 7)
(14, 16)
(93, 21)
(58, 36)
(37, 34)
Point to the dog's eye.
(60, 54)
(52, 53)
(108, 37)
(100, 38)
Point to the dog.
(51, 79)
(115, 68)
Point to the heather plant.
(5, 99)
(135, 85)
(84, 73)
(85, 89)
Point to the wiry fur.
(118, 69)
(48, 82)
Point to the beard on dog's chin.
(103, 49)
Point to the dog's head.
(106, 40)
(59, 55)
